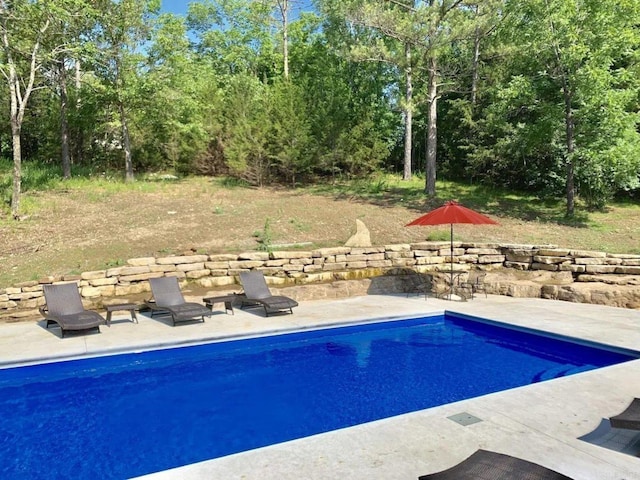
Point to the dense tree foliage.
(537, 95)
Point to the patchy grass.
(92, 223)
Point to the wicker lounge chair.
(64, 307)
(495, 466)
(257, 293)
(168, 300)
(630, 418)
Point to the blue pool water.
(127, 415)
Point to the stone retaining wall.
(516, 270)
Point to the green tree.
(471, 66)
(397, 40)
(30, 43)
(247, 129)
(67, 49)
(576, 55)
(342, 96)
(289, 132)
(178, 112)
(284, 10)
(234, 36)
(124, 29)
(428, 29)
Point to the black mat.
(485, 465)
(630, 418)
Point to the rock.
(483, 251)
(491, 259)
(400, 247)
(588, 254)
(517, 265)
(223, 257)
(212, 282)
(523, 290)
(89, 292)
(281, 255)
(190, 267)
(191, 274)
(123, 271)
(548, 259)
(140, 262)
(93, 275)
(329, 251)
(245, 264)
(178, 259)
(366, 250)
(255, 256)
(362, 237)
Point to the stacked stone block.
(325, 265)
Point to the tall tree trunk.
(475, 66)
(18, 100)
(570, 144)
(284, 11)
(15, 117)
(16, 126)
(17, 107)
(408, 116)
(569, 124)
(285, 40)
(126, 144)
(432, 126)
(17, 168)
(64, 124)
(78, 142)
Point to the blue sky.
(175, 6)
(179, 7)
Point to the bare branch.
(34, 69)
(453, 6)
(403, 5)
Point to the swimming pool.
(127, 415)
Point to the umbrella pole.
(451, 262)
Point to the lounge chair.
(168, 299)
(257, 293)
(630, 418)
(495, 466)
(64, 307)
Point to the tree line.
(534, 95)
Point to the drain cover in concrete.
(464, 419)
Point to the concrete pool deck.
(540, 422)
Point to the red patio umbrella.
(452, 212)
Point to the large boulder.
(362, 237)
(625, 296)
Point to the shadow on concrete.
(619, 439)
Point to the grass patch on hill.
(97, 220)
